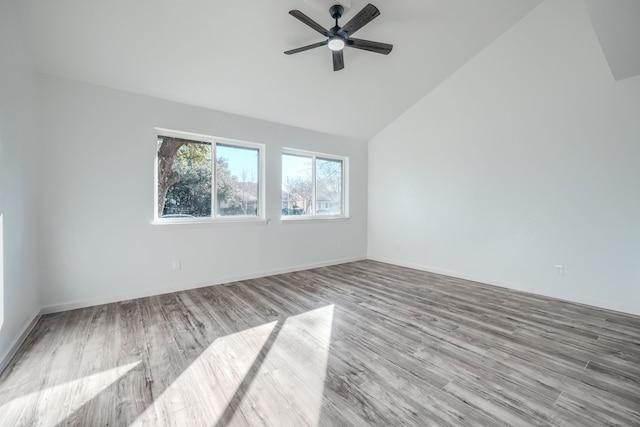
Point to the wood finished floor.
(363, 343)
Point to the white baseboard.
(5, 359)
(55, 308)
(514, 286)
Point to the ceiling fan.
(340, 37)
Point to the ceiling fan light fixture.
(336, 43)
(337, 37)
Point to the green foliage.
(191, 194)
(194, 153)
(225, 182)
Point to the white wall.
(98, 243)
(527, 157)
(18, 253)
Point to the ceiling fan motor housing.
(323, 5)
(336, 11)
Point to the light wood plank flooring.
(363, 343)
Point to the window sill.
(315, 219)
(204, 222)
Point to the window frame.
(214, 141)
(345, 185)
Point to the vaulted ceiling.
(228, 55)
(617, 25)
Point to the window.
(313, 185)
(190, 167)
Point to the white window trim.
(345, 187)
(193, 222)
(259, 219)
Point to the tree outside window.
(312, 185)
(187, 173)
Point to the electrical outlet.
(339, 245)
(559, 270)
(177, 265)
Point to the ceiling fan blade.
(303, 48)
(310, 22)
(377, 47)
(362, 18)
(338, 60)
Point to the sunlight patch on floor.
(205, 388)
(77, 393)
(291, 379)
(275, 371)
